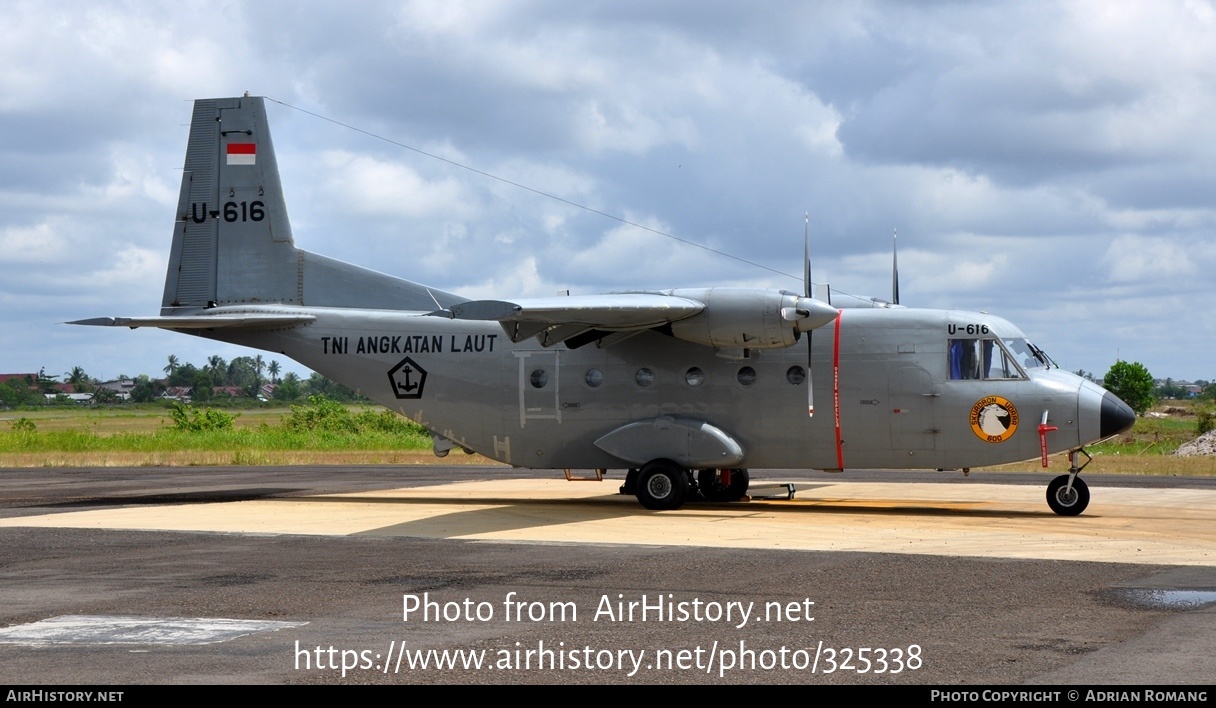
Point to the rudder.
(232, 240)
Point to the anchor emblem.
(407, 379)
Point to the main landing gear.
(723, 485)
(1068, 495)
(664, 485)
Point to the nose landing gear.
(1068, 495)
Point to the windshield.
(1027, 354)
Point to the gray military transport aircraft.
(683, 388)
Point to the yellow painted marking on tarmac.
(883, 504)
(1172, 526)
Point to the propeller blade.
(806, 293)
(895, 267)
(806, 255)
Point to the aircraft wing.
(578, 319)
(723, 318)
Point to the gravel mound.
(1203, 445)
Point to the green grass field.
(330, 433)
(149, 436)
(1148, 448)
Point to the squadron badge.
(994, 419)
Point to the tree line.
(243, 377)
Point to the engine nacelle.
(749, 318)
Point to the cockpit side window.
(981, 359)
(964, 359)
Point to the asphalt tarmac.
(354, 575)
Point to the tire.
(1064, 503)
(712, 488)
(662, 485)
(630, 487)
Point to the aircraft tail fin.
(232, 241)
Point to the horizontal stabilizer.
(247, 321)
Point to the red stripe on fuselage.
(836, 391)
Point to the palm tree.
(258, 365)
(78, 378)
(172, 365)
(217, 367)
(273, 367)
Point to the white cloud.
(33, 244)
(1132, 258)
(381, 188)
(518, 277)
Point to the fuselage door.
(913, 409)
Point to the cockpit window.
(979, 359)
(1027, 354)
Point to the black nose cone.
(1117, 416)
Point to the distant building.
(120, 387)
(74, 397)
(178, 393)
(27, 378)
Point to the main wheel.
(723, 485)
(1067, 502)
(630, 487)
(662, 485)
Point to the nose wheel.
(1068, 494)
(1066, 499)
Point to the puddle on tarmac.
(1172, 599)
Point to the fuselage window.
(980, 359)
(594, 378)
(694, 376)
(795, 375)
(644, 377)
(747, 376)
(539, 378)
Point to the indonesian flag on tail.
(242, 153)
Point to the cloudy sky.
(1052, 163)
